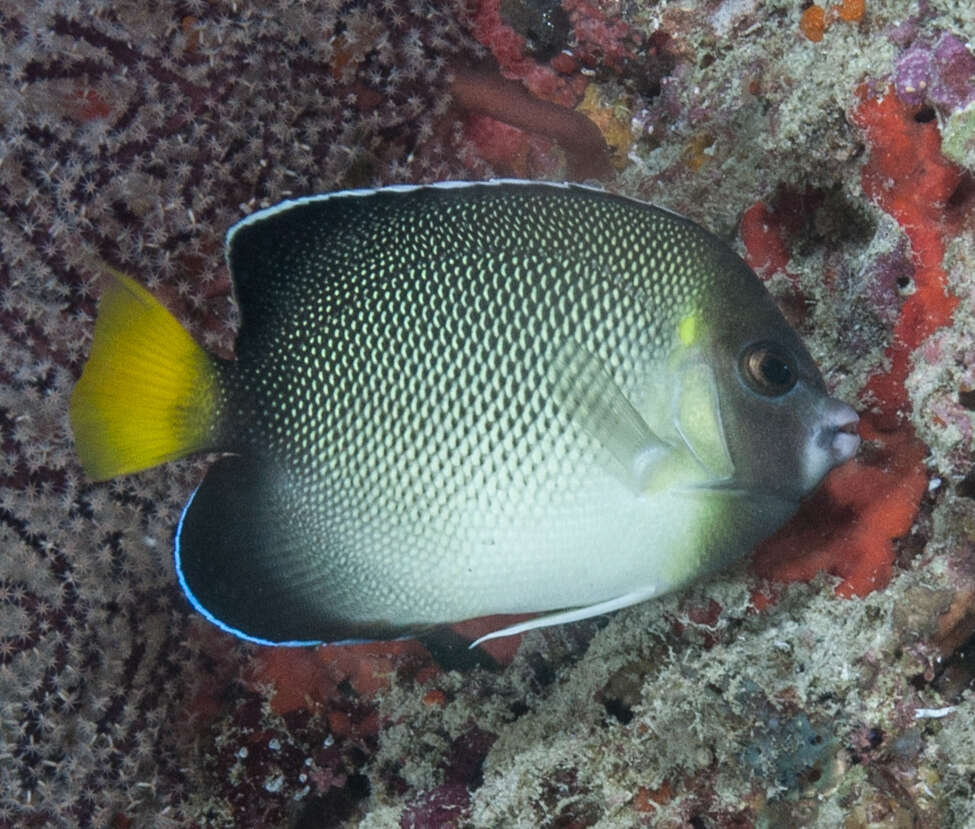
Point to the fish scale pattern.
(409, 386)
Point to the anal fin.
(573, 614)
(248, 560)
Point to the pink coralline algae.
(888, 277)
(447, 805)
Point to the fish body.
(458, 400)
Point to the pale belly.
(590, 544)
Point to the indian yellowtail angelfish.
(460, 400)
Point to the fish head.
(763, 421)
(783, 430)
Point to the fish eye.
(768, 369)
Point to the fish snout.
(839, 432)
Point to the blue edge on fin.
(223, 625)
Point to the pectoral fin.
(586, 391)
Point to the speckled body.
(410, 391)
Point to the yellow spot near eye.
(688, 329)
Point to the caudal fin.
(148, 393)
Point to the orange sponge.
(907, 176)
(848, 527)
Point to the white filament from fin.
(574, 615)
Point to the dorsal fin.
(338, 241)
(274, 254)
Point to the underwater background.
(827, 682)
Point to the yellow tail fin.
(148, 393)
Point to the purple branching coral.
(134, 134)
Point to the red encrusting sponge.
(849, 527)
(908, 177)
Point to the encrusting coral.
(134, 134)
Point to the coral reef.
(828, 683)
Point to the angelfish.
(459, 400)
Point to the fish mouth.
(840, 432)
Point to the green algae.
(958, 136)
